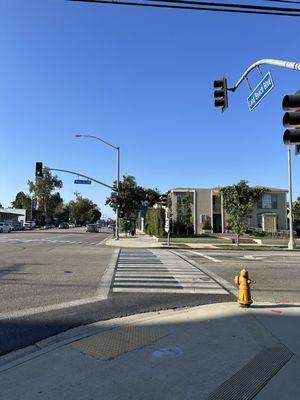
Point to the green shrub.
(155, 222)
(206, 225)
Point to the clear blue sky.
(141, 79)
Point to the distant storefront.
(13, 215)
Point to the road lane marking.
(105, 240)
(101, 294)
(204, 255)
(105, 283)
(43, 309)
(160, 271)
(228, 286)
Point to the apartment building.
(269, 212)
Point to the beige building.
(269, 212)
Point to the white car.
(4, 228)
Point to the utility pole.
(118, 174)
(291, 244)
(118, 187)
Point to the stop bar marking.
(204, 255)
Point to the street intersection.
(55, 280)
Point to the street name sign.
(261, 90)
(83, 181)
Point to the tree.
(84, 210)
(61, 213)
(43, 188)
(23, 200)
(296, 209)
(56, 203)
(187, 215)
(238, 203)
(135, 197)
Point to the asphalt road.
(276, 272)
(42, 268)
(42, 272)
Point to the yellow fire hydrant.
(243, 282)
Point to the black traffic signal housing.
(121, 213)
(163, 200)
(120, 202)
(39, 169)
(291, 119)
(220, 93)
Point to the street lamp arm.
(278, 63)
(84, 176)
(101, 140)
(118, 174)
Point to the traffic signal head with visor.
(119, 202)
(220, 93)
(39, 169)
(291, 119)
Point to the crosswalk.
(160, 271)
(53, 241)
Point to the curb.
(17, 357)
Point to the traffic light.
(121, 214)
(163, 199)
(39, 169)
(119, 202)
(291, 119)
(220, 93)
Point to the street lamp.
(118, 173)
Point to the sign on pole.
(167, 225)
(261, 90)
(82, 181)
(167, 221)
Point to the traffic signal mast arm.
(84, 176)
(278, 63)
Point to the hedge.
(155, 222)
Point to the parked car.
(63, 225)
(4, 228)
(29, 225)
(48, 226)
(17, 227)
(78, 225)
(71, 225)
(91, 228)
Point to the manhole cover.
(168, 352)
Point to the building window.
(259, 221)
(268, 200)
(203, 218)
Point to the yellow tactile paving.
(110, 344)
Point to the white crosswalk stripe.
(141, 270)
(54, 241)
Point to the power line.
(206, 6)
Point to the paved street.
(55, 280)
(42, 268)
(276, 272)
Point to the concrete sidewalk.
(141, 240)
(138, 240)
(206, 352)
